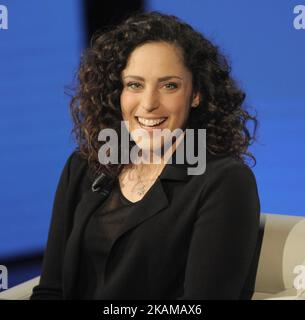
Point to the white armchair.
(21, 292)
(282, 249)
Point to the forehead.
(155, 58)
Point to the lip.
(151, 129)
(150, 118)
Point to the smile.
(150, 122)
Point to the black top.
(190, 236)
(99, 234)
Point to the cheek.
(128, 101)
(178, 109)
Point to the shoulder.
(77, 171)
(225, 176)
(229, 189)
(228, 169)
(76, 161)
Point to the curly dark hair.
(96, 103)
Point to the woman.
(151, 230)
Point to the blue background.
(267, 57)
(39, 55)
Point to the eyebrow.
(159, 79)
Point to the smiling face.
(157, 89)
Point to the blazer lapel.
(154, 201)
(89, 203)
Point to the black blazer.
(192, 237)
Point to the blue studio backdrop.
(39, 55)
(265, 43)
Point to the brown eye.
(133, 85)
(171, 85)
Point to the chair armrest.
(22, 291)
(288, 294)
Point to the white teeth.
(150, 122)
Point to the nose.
(150, 100)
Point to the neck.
(156, 162)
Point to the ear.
(196, 100)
